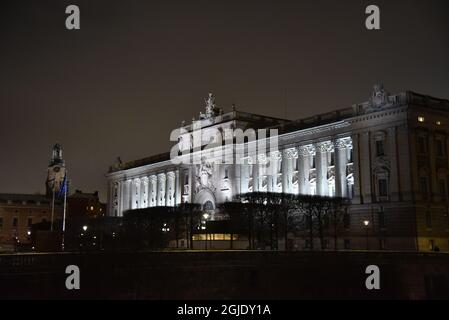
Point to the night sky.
(136, 69)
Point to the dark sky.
(136, 69)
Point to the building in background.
(388, 155)
(18, 212)
(85, 205)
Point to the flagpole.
(65, 207)
(52, 208)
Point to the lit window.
(421, 119)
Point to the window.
(30, 222)
(226, 173)
(424, 189)
(383, 188)
(313, 164)
(380, 150)
(381, 214)
(15, 222)
(347, 220)
(307, 244)
(440, 148)
(422, 144)
(1, 222)
(428, 219)
(443, 192)
(347, 244)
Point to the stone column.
(170, 192)
(144, 192)
(153, 191)
(178, 187)
(341, 162)
(365, 167)
(256, 174)
(135, 196)
(393, 157)
(127, 196)
(289, 156)
(303, 169)
(356, 166)
(272, 173)
(322, 149)
(161, 186)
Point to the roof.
(288, 126)
(20, 197)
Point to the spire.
(56, 157)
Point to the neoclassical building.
(388, 155)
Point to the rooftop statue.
(211, 109)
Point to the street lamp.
(84, 228)
(366, 224)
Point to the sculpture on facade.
(211, 109)
(204, 173)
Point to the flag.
(63, 190)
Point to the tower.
(55, 171)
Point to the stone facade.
(388, 155)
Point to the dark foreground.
(226, 275)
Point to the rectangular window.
(422, 145)
(383, 188)
(307, 244)
(186, 179)
(380, 150)
(15, 222)
(424, 188)
(347, 244)
(313, 164)
(226, 173)
(443, 192)
(30, 222)
(440, 148)
(428, 219)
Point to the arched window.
(208, 206)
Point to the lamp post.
(366, 224)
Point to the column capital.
(306, 150)
(324, 146)
(291, 153)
